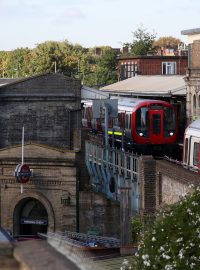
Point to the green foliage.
(173, 242)
(62, 54)
(142, 42)
(15, 63)
(106, 69)
(136, 228)
(64, 57)
(138, 225)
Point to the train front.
(154, 124)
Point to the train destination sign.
(22, 173)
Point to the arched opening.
(30, 217)
(112, 184)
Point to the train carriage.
(191, 146)
(141, 123)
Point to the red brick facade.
(150, 65)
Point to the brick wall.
(172, 182)
(147, 184)
(148, 65)
(43, 105)
(97, 212)
(54, 179)
(163, 182)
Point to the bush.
(173, 243)
(138, 225)
(136, 228)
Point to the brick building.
(192, 78)
(129, 66)
(49, 108)
(58, 196)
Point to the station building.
(48, 107)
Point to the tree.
(63, 56)
(167, 42)
(68, 59)
(3, 62)
(142, 42)
(106, 69)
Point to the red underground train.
(142, 124)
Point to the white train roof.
(195, 124)
(127, 104)
(193, 129)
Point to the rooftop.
(4, 81)
(191, 31)
(156, 85)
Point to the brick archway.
(31, 195)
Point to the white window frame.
(170, 68)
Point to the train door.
(156, 126)
(194, 157)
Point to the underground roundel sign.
(22, 173)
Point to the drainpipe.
(77, 168)
(69, 117)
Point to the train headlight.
(171, 133)
(141, 134)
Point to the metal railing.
(124, 163)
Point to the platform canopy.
(156, 85)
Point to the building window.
(168, 68)
(194, 105)
(128, 70)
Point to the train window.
(169, 121)
(156, 123)
(119, 119)
(115, 121)
(110, 122)
(89, 113)
(83, 113)
(128, 121)
(186, 150)
(195, 154)
(142, 121)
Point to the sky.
(91, 23)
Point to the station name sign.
(34, 221)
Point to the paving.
(39, 255)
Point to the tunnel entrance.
(30, 217)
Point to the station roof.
(156, 85)
(4, 81)
(92, 93)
